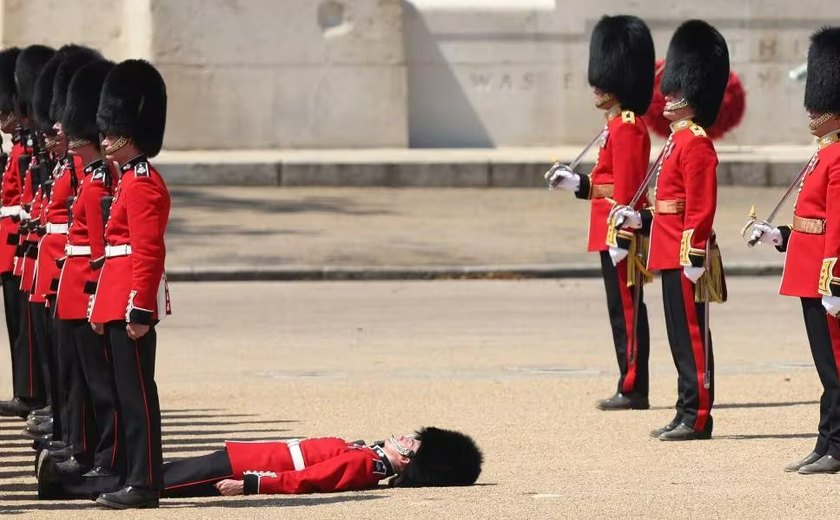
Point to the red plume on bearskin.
(731, 110)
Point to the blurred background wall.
(258, 74)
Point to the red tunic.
(78, 280)
(688, 174)
(805, 251)
(56, 212)
(329, 464)
(26, 266)
(622, 162)
(129, 285)
(10, 198)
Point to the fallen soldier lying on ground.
(430, 457)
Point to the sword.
(643, 187)
(769, 220)
(571, 166)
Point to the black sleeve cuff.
(252, 484)
(584, 191)
(97, 264)
(624, 240)
(140, 316)
(54, 285)
(647, 220)
(697, 260)
(59, 262)
(12, 239)
(834, 287)
(785, 230)
(90, 287)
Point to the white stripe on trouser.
(296, 453)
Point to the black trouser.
(28, 373)
(43, 329)
(11, 308)
(685, 323)
(192, 477)
(628, 325)
(91, 394)
(139, 408)
(824, 336)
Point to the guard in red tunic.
(79, 428)
(812, 243)
(9, 210)
(682, 246)
(99, 456)
(131, 296)
(430, 457)
(28, 379)
(621, 72)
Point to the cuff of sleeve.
(584, 191)
(785, 231)
(647, 220)
(252, 484)
(90, 287)
(97, 263)
(829, 284)
(624, 239)
(691, 256)
(134, 314)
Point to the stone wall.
(422, 73)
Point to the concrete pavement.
(255, 233)
(517, 364)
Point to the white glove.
(617, 254)
(764, 233)
(693, 273)
(831, 304)
(24, 215)
(626, 216)
(563, 177)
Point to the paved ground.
(516, 363)
(254, 228)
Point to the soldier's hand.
(764, 233)
(98, 328)
(230, 487)
(625, 216)
(617, 254)
(831, 304)
(563, 177)
(135, 330)
(693, 273)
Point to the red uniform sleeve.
(92, 194)
(11, 179)
(630, 155)
(146, 224)
(699, 166)
(830, 273)
(349, 471)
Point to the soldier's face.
(395, 445)
(676, 108)
(603, 100)
(822, 123)
(8, 121)
(119, 149)
(56, 141)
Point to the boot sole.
(152, 504)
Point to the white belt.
(57, 229)
(296, 453)
(76, 250)
(112, 251)
(9, 211)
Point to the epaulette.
(628, 116)
(141, 169)
(697, 130)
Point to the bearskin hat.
(30, 63)
(43, 93)
(8, 87)
(79, 117)
(133, 104)
(445, 458)
(822, 84)
(76, 56)
(621, 60)
(697, 63)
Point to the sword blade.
(588, 147)
(789, 191)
